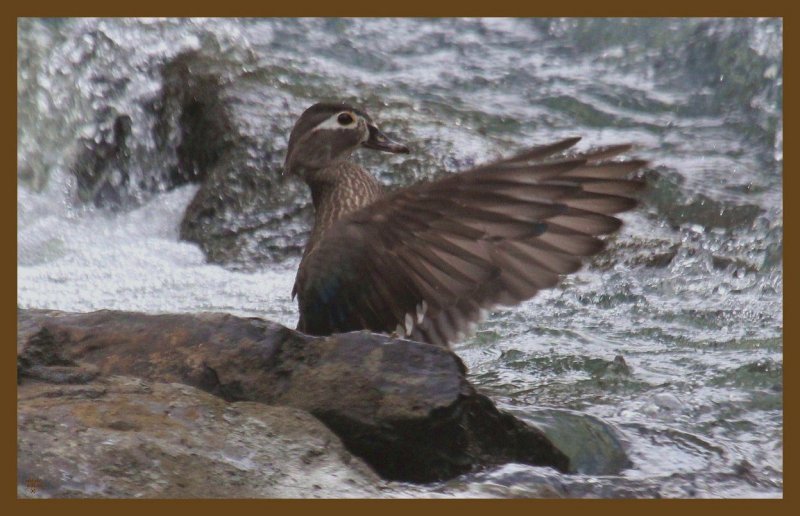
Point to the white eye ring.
(333, 122)
(345, 119)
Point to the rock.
(245, 212)
(666, 196)
(245, 216)
(217, 116)
(123, 437)
(102, 165)
(593, 446)
(618, 368)
(402, 406)
(667, 401)
(206, 122)
(191, 116)
(186, 130)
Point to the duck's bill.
(379, 141)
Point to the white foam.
(84, 260)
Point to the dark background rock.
(191, 104)
(223, 124)
(404, 407)
(241, 200)
(245, 212)
(102, 165)
(199, 128)
(190, 126)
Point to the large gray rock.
(404, 407)
(102, 164)
(123, 437)
(207, 122)
(220, 118)
(244, 212)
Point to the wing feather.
(429, 260)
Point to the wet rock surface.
(405, 408)
(124, 437)
(594, 447)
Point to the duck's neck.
(337, 190)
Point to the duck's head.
(328, 132)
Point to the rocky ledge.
(404, 408)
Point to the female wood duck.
(427, 261)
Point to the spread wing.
(428, 260)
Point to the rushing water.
(690, 292)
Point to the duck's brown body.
(428, 260)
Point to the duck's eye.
(345, 119)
